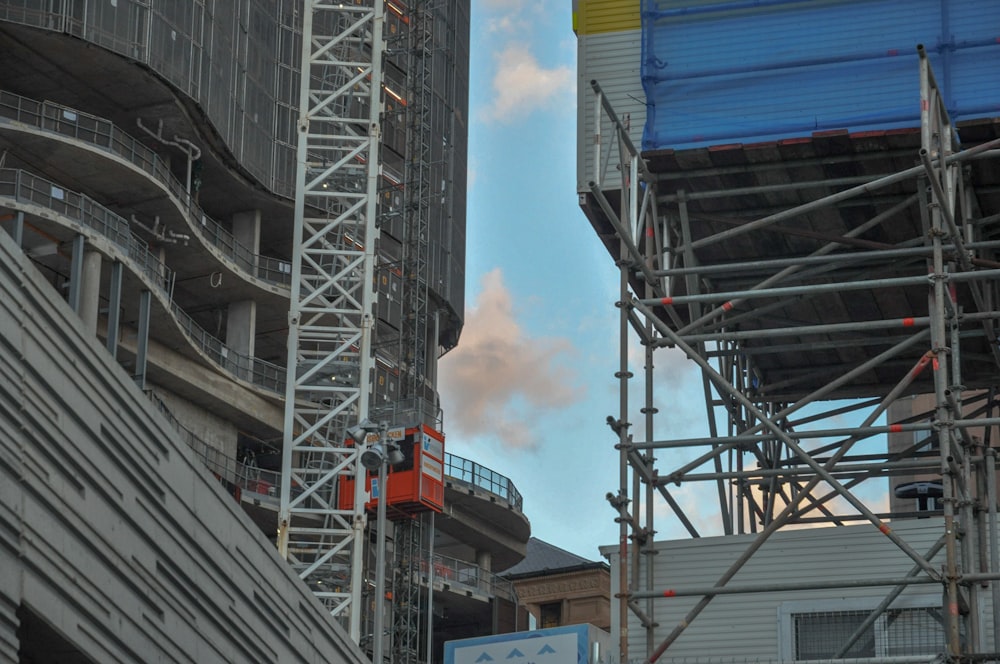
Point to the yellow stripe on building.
(593, 17)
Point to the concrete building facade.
(559, 588)
(147, 174)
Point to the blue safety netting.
(759, 70)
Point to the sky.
(528, 388)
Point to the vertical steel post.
(18, 233)
(114, 308)
(378, 632)
(994, 543)
(931, 143)
(142, 342)
(623, 374)
(76, 273)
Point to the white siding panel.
(612, 59)
(745, 626)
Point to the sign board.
(572, 644)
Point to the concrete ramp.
(116, 545)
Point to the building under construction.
(256, 210)
(803, 201)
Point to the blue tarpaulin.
(748, 71)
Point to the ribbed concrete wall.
(110, 531)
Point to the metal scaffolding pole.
(740, 316)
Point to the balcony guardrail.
(102, 133)
(458, 574)
(25, 187)
(471, 473)
(461, 574)
(28, 188)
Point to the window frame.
(787, 609)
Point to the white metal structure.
(331, 322)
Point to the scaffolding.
(812, 283)
(331, 319)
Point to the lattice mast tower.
(331, 320)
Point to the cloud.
(508, 16)
(499, 379)
(522, 86)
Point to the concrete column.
(246, 230)
(14, 225)
(90, 290)
(484, 559)
(241, 327)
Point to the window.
(821, 635)
(550, 614)
(821, 630)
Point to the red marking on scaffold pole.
(953, 608)
(728, 306)
(884, 529)
(670, 593)
(924, 104)
(935, 364)
(907, 322)
(895, 428)
(649, 231)
(921, 365)
(666, 300)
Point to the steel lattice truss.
(331, 319)
(911, 259)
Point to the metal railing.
(246, 476)
(25, 187)
(461, 574)
(103, 134)
(471, 473)
(458, 574)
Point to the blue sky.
(527, 390)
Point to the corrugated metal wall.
(608, 50)
(743, 72)
(745, 627)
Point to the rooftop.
(544, 558)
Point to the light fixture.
(395, 455)
(380, 453)
(373, 457)
(359, 432)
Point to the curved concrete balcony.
(115, 166)
(58, 214)
(481, 505)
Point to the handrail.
(248, 477)
(102, 133)
(26, 187)
(460, 573)
(244, 475)
(474, 474)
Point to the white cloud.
(521, 85)
(508, 16)
(498, 378)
